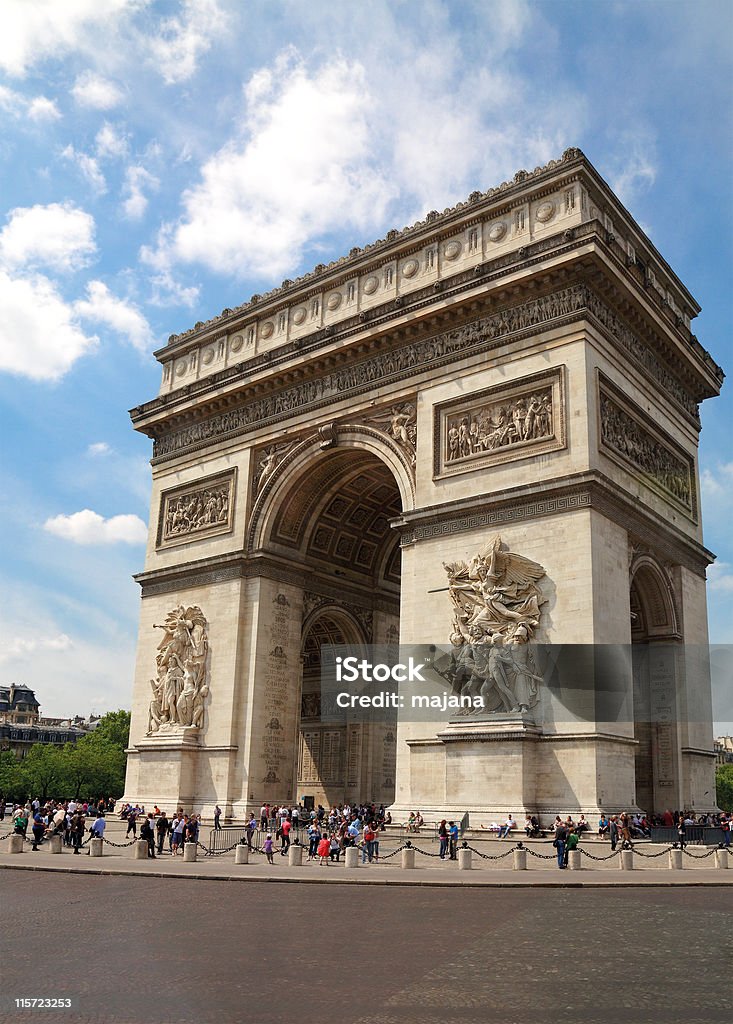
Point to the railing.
(702, 835)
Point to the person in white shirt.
(506, 827)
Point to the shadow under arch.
(653, 602)
(322, 461)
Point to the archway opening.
(655, 646)
(333, 521)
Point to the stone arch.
(311, 454)
(653, 601)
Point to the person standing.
(161, 827)
(613, 832)
(132, 823)
(443, 837)
(725, 826)
(267, 848)
(453, 840)
(264, 816)
(561, 838)
(217, 817)
(77, 829)
(681, 831)
(38, 828)
(285, 829)
(147, 832)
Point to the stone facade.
(520, 365)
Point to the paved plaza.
(147, 949)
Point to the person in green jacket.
(571, 844)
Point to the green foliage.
(724, 786)
(12, 783)
(43, 771)
(115, 727)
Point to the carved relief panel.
(628, 435)
(500, 424)
(197, 510)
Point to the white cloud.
(718, 483)
(720, 577)
(137, 178)
(99, 448)
(89, 167)
(34, 31)
(39, 337)
(87, 527)
(23, 647)
(110, 143)
(41, 108)
(302, 168)
(183, 39)
(636, 169)
(101, 306)
(59, 235)
(96, 92)
(167, 291)
(37, 109)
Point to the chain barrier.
(6, 836)
(405, 846)
(487, 856)
(539, 856)
(695, 856)
(120, 846)
(592, 856)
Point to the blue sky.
(163, 160)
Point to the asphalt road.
(154, 951)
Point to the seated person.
(603, 825)
(582, 825)
(506, 828)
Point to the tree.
(115, 727)
(724, 786)
(94, 767)
(43, 770)
(12, 783)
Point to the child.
(267, 849)
(324, 850)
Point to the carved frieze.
(266, 462)
(629, 436)
(198, 510)
(399, 362)
(500, 424)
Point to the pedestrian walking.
(267, 848)
(217, 816)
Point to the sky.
(160, 161)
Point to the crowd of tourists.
(72, 820)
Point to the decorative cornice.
(402, 362)
(589, 490)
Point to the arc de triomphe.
(516, 374)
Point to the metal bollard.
(56, 844)
(575, 861)
(96, 847)
(189, 853)
(16, 843)
(626, 860)
(408, 858)
(464, 860)
(722, 857)
(140, 849)
(295, 856)
(352, 857)
(241, 854)
(675, 860)
(519, 859)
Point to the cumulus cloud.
(23, 647)
(110, 143)
(89, 167)
(183, 38)
(96, 92)
(87, 527)
(720, 577)
(99, 448)
(102, 307)
(39, 336)
(59, 235)
(302, 167)
(137, 179)
(38, 108)
(46, 28)
(41, 108)
(167, 291)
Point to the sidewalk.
(429, 871)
